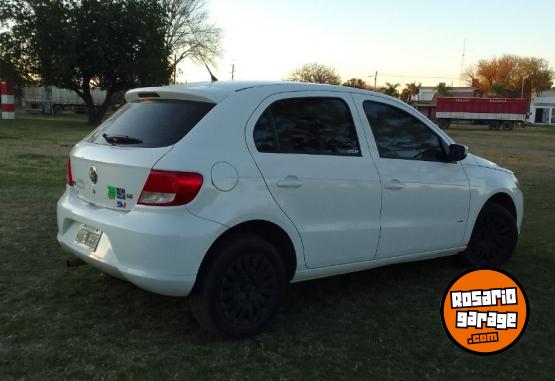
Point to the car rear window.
(155, 123)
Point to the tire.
(507, 125)
(493, 239)
(240, 289)
(493, 125)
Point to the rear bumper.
(157, 249)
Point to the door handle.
(289, 182)
(394, 184)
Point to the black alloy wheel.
(240, 290)
(248, 290)
(493, 239)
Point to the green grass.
(59, 323)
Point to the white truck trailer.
(53, 100)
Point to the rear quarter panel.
(220, 138)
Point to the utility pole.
(462, 62)
(376, 81)
(522, 88)
(232, 71)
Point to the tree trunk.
(101, 111)
(95, 114)
(92, 112)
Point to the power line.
(462, 59)
(392, 75)
(413, 76)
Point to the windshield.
(151, 123)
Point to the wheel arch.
(501, 200)
(270, 231)
(505, 200)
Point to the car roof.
(216, 91)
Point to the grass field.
(59, 323)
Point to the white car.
(228, 191)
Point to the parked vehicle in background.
(53, 100)
(498, 113)
(228, 191)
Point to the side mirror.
(457, 152)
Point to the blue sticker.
(121, 204)
(120, 193)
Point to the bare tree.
(189, 33)
(315, 73)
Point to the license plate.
(88, 236)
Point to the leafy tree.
(391, 89)
(410, 91)
(315, 73)
(498, 90)
(356, 83)
(189, 33)
(113, 45)
(507, 73)
(8, 56)
(442, 89)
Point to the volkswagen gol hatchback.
(228, 191)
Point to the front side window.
(319, 126)
(400, 135)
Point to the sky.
(404, 41)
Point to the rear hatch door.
(112, 176)
(111, 165)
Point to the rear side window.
(152, 123)
(400, 135)
(321, 126)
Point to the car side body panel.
(424, 202)
(336, 203)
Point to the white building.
(427, 93)
(542, 108)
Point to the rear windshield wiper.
(121, 139)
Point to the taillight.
(170, 188)
(69, 175)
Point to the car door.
(307, 146)
(425, 199)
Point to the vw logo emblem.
(92, 174)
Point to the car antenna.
(212, 77)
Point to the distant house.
(425, 100)
(542, 107)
